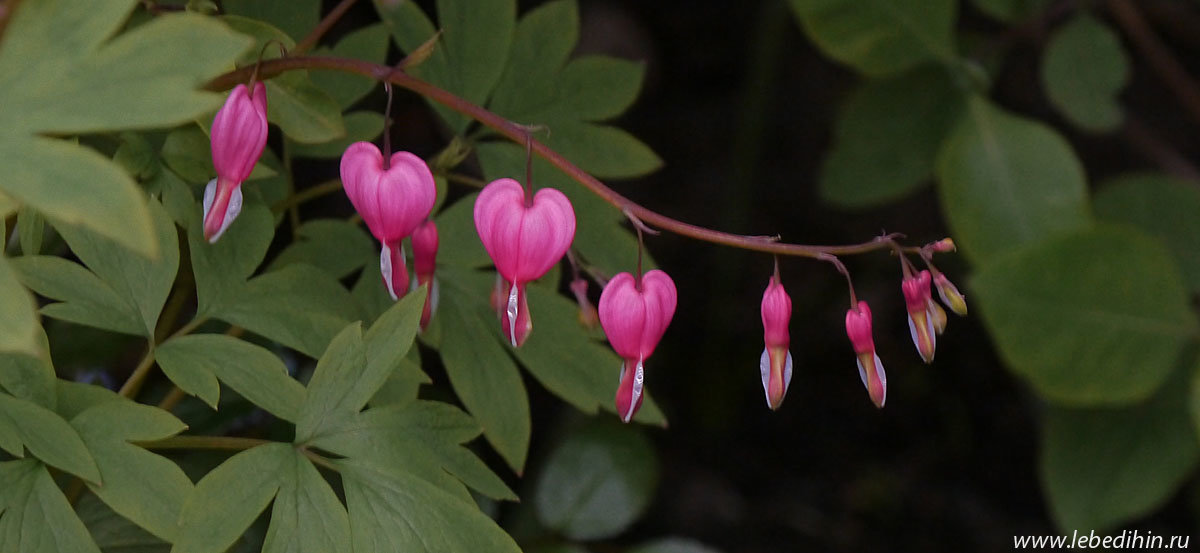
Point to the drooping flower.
(950, 294)
(425, 247)
(587, 312)
(634, 316)
(393, 201)
(239, 133)
(870, 369)
(775, 364)
(525, 238)
(918, 300)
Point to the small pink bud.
(775, 364)
(425, 247)
(587, 312)
(523, 240)
(239, 133)
(943, 245)
(920, 321)
(634, 317)
(870, 369)
(392, 202)
(950, 295)
(938, 316)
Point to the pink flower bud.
(943, 245)
(587, 312)
(239, 133)
(917, 298)
(392, 202)
(634, 317)
(775, 364)
(950, 295)
(524, 240)
(425, 247)
(870, 369)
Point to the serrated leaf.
(1006, 181)
(1162, 206)
(18, 319)
(880, 37)
(361, 126)
(480, 370)
(230, 497)
(597, 482)
(144, 487)
(887, 136)
(1091, 318)
(333, 245)
(47, 436)
(86, 299)
(1141, 454)
(471, 54)
(1084, 68)
(34, 515)
(401, 512)
(195, 363)
(369, 43)
(307, 516)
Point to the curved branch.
(517, 133)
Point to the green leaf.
(18, 318)
(115, 533)
(187, 150)
(334, 245)
(307, 516)
(76, 397)
(1162, 206)
(136, 156)
(1095, 317)
(47, 436)
(480, 370)
(887, 136)
(1011, 11)
(85, 298)
(603, 151)
(34, 515)
(296, 18)
(142, 486)
(471, 53)
(230, 497)
(459, 243)
(142, 283)
(177, 198)
(1084, 68)
(880, 37)
(596, 88)
(369, 43)
(196, 362)
(673, 545)
(403, 385)
(541, 44)
(1140, 455)
(221, 269)
(31, 227)
(597, 482)
(298, 306)
(361, 126)
(395, 511)
(28, 376)
(1006, 181)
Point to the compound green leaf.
(222, 268)
(1162, 206)
(603, 151)
(85, 298)
(1141, 454)
(887, 136)
(1089, 318)
(298, 306)
(18, 318)
(403, 385)
(480, 370)
(542, 42)
(228, 499)
(30, 377)
(307, 516)
(47, 436)
(334, 245)
(597, 482)
(31, 228)
(880, 37)
(144, 487)
(596, 88)
(369, 43)
(459, 243)
(195, 363)
(115, 533)
(35, 517)
(1084, 68)
(1006, 181)
(361, 126)
(396, 511)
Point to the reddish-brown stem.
(387, 128)
(837, 263)
(517, 133)
(528, 169)
(7, 9)
(323, 27)
(1158, 55)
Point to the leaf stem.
(323, 27)
(517, 133)
(1158, 55)
(311, 193)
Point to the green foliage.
(49, 438)
(1084, 69)
(1163, 207)
(880, 37)
(1011, 11)
(195, 363)
(34, 515)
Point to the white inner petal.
(385, 268)
(764, 369)
(636, 393)
(512, 314)
(210, 191)
(882, 376)
(862, 374)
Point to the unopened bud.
(950, 295)
(943, 245)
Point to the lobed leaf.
(46, 435)
(35, 517)
(1084, 67)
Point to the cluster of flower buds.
(239, 133)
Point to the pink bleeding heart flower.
(634, 316)
(775, 364)
(921, 317)
(425, 247)
(392, 200)
(870, 369)
(525, 238)
(239, 133)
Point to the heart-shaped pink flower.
(392, 201)
(239, 133)
(634, 317)
(524, 239)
